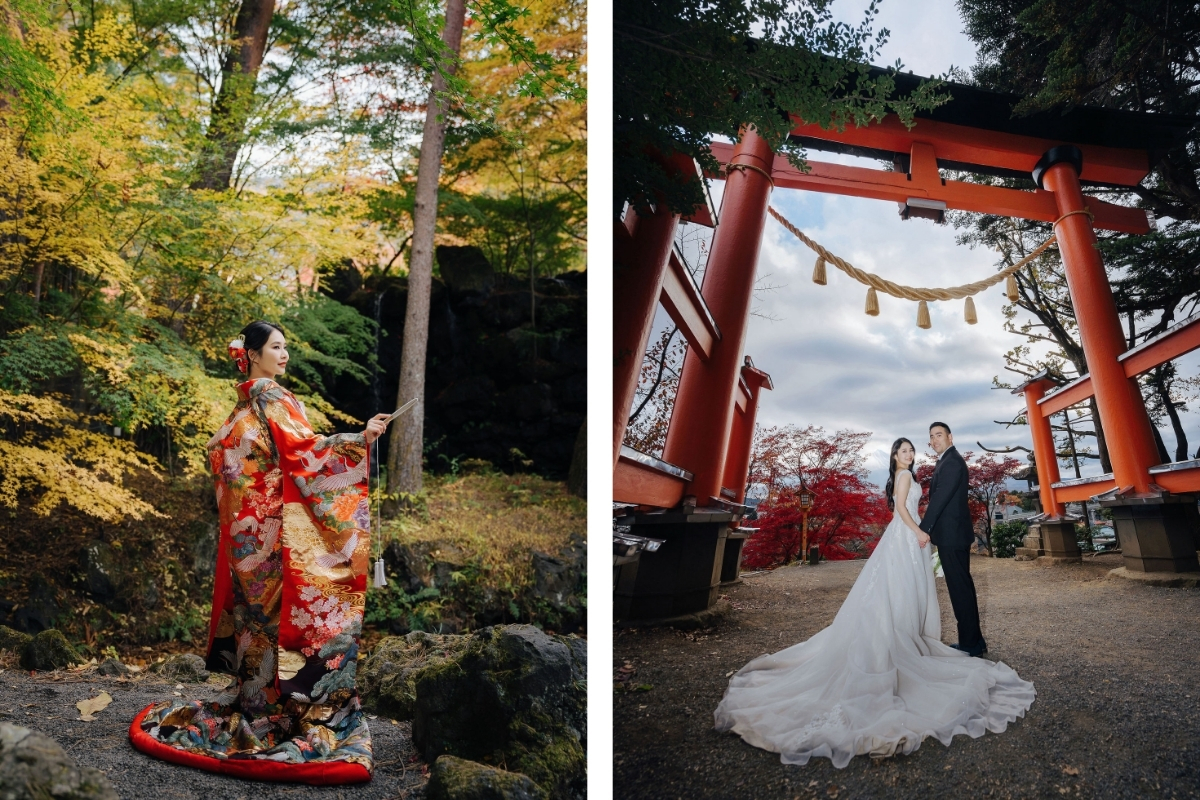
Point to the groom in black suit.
(947, 520)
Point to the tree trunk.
(1101, 443)
(235, 98)
(1181, 442)
(1071, 440)
(405, 446)
(1163, 455)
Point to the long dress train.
(879, 679)
(287, 604)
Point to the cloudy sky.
(834, 366)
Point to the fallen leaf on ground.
(92, 706)
(1071, 770)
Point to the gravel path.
(46, 703)
(1115, 665)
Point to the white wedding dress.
(878, 680)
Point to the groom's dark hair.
(933, 425)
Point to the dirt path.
(46, 703)
(1115, 666)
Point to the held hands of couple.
(922, 537)
(376, 425)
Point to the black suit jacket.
(947, 519)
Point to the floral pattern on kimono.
(289, 592)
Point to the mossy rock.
(182, 667)
(515, 695)
(112, 668)
(458, 779)
(32, 765)
(387, 678)
(50, 650)
(13, 640)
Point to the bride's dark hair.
(891, 481)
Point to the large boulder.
(387, 678)
(458, 779)
(516, 696)
(49, 650)
(15, 641)
(34, 767)
(465, 270)
(559, 583)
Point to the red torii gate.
(1158, 530)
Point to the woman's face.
(905, 455)
(273, 357)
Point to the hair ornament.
(237, 351)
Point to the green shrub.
(1007, 537)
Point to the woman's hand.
(922, 538)
(376, 425)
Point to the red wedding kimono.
(287, 604)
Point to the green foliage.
(686, 71)
(334, 341)
(1007, 537)
(182, 624)
(1083, 537)
(417, 612)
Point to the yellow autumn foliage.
(59, 459)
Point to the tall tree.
(1135, 55)
(235, 99)
(406, 443)
(849, 513)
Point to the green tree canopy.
(686, 71)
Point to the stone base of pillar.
(683, 576)
(731, 564)
(1158, 536)
(1058, 541)
(1032, 546)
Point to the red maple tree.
(987, 480)
(849, 513)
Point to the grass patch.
(489, 525)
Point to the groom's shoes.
(978, 651)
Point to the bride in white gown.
(878, 680)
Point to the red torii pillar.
(741, 437)
(1056, 530)
(1123, 416)
(639, 263)
(698, 436)
(1045, 456)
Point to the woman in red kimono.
(289, 592)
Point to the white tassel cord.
(380, 573)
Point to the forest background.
(177, 168)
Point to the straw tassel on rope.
(923, 320)
(872, 302)
(875, 282)
(1010, 287)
